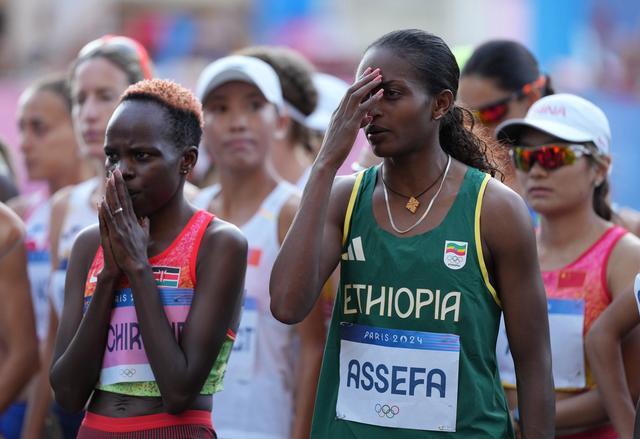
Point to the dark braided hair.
(295, 74)
(510, 64)
(438, 70)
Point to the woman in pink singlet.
(561, 152)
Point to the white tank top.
(257, 399)
(80, 214)
(39, 263)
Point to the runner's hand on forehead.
(128, 236)
(349, 117)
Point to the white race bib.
(636, 290)
(566, 323)
(243, 355)
(397, 378)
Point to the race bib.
(566, 322)
(636, 290)
(243, 356)
(397, 378)
(39, 269)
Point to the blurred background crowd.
(588, 47)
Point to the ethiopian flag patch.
(455, 254)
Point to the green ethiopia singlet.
(411, 347)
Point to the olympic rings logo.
(454, 259)
(128, 372)
(385, 410)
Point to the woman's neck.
(239, 191)
(412, 173)
(167, 222)
(72, 176)
(287, 163)
(569, 233)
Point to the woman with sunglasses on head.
(500, 81)
(424, 278)
(561, 151)
(52, 155)
(153, 294)
(273, 369)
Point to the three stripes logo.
(167, 276)
(354, 251)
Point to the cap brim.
(509, 131)
(224, 77)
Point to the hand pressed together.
(123, 236)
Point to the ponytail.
(472, 147)
(601, 201)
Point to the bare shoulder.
(629, 219)
(11, 229)
(503, 205)
(222, 237)
(624, 260)
(60, 202)
(20, 205)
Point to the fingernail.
(378, 78)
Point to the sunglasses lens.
(492, 114)
(549, 157)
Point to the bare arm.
(300, 271)
(17, 324)
(180, 367)
(81, 337)
(513, 262)
(605, 356)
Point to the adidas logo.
(354, 251)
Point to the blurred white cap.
(241, 68)
(565, 116)
(331, 90)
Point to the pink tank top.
(585, 281)
(125, 366)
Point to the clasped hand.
(124, 237)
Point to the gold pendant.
(412, 205)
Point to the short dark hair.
(183, 108)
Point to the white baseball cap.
(241, 68)
(566, 116)
(331, 90)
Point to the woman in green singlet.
(432, 251)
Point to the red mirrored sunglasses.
(497, 110)
(550, 156)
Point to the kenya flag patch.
(167, 276)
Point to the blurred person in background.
(606, 348)
(102, 71)
(52, 155)
(561, 150)
(18, 342)
(8, 188)
(271, 380)
(499, 81)
(154, 291)
(291, 156)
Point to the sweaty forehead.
(393, 67)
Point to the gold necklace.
(412, 204)
(426, 212)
